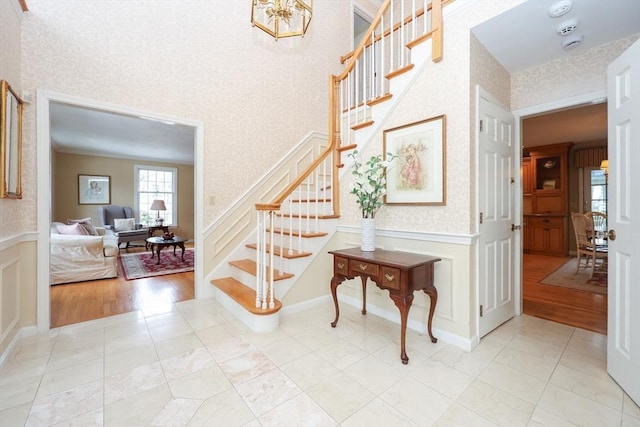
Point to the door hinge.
(481, 310)
(513, 180)
(480, 125)
(481, 217)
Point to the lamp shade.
(158, 205)
(604, 165)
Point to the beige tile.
(420, 342)
(285, 351)
(459, 416)
(66, 405)
(604, 391)
(416, 401)
(497, 406)
(178, 345)
(224, 409)
(215, 334)
(526, 363)
(128, 411)
(340, 396)
(246, 366)
(577, 409)
(317, 338)
(341, 354)
(369, 340)
(630, 407)
(18, 392)
(308, 370)
(298, 411)
(263, 339)
(542, 418)
(448, 381)
(34, 350)
(177, 412)
(268, 390)
(125, 343)
(68, 378)
(471, 363)
(629, 421)
(186, 363)
(228, 348)
(378, 413)
(128, 383)
(16, 370)
(202, 384)
(514, 382)
(385, 375)
(127, 360)
(90, 419)
(584, 364)
(75, 357)
(15, 415)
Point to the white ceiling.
(520, 38)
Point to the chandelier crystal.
(282, 18)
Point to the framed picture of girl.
(94, 189)
(417, 173)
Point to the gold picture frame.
(416, 176)
(10, 142)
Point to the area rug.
(567, 277)
(142, 264)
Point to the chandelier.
(282, 18)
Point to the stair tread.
(250, 267)
(244, 295)
(298, 233)
(276, 250)
(287, 215)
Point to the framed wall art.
(94, 190)
(10, 142)
(417, 175)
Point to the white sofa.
(76, 258)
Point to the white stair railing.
(383, 53)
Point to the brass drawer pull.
(363, 267)
(340, 266)
(390, 277)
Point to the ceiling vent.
(567, 27)
(560, 8)
(572, 42)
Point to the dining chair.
(586, 246)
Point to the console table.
(401, 273)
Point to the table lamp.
(158, 205)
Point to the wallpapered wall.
(11, 220)
(198, 60)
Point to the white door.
(623, 353)
(496, 189)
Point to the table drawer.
(341, 266)
(390, 278)
(362, 267)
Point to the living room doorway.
(95, 159)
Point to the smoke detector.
(567, 27)
(560, 8)
(572, 42)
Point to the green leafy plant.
(370, 182)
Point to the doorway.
(45, 206)
(551, 288)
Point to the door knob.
(612, 234)
(515, 227)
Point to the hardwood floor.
(573, 307)
(81, 301)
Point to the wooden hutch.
(545, 185)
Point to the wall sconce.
(282, 18)
(604, 165)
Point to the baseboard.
(22, 332)
(305, 305)
(420, 327)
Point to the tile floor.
(195, 365)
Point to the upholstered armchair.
(119, 220)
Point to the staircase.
(294, 226)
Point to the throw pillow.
(86, 224)
(71, 229)
(123, 224)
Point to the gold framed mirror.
(10, 143)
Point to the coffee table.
(158, 243)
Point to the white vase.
(368, 235)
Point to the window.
(594, 190)
(155, 182)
